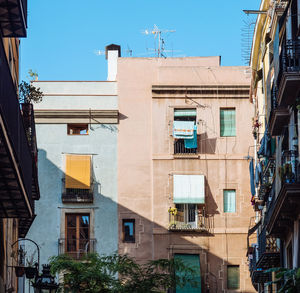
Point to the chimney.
(112, 52)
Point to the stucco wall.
(145, 148)
(53, 143)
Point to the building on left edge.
(18, 152)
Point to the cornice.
(76, 116)
(204, 92)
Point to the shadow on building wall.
(152, 240)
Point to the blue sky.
(63, 35)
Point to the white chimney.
(112, 53)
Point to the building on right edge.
(275, 86)
(183, 181)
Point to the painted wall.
(145, 148)
(53, 143)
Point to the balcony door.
(77, 240)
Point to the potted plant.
(31, 268)
(19, 270)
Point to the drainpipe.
(255, 161)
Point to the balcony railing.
(268, 251)
(191, 222)
(14, 148)
(77, 195)
(288, 171)
(179, 148)
(76, 248)
(13, 21)
(289, 77)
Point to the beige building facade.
(181, 199)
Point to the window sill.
(185, 156)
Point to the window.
(227, 122)
(77, 240)
(128, 230)
(187, 214)
(78, 129)
(185, 131)
(233, 277)
(193, 284)
(229, 199)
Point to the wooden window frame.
(77, 125)
(123, 231)
(78, 215)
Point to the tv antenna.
(99, 52)
(157, 33)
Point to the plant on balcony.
(29, 93)
(289, 279)
(286, 174)
(97, 273)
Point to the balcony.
(258, 275)
(180, 149)
(76, 248)
(288, 81)
(189, 220)
(268, 251)
(13, 18)
(279, 116)
(283, 208)
(18, 171)
(76, 195)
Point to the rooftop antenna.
(99, 52)
(157, 33)
(129, 51)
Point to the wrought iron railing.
(181, 222)
(76, 248)
(179, 148)
(289, 58)
(266, 243)
(289, 169)
(13, 122)
(77, 194)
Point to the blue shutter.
(191, 261)
(229, 201)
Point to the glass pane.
(233, 277)
(84, 233)
(128, 226)
(84, 221)
(71, 221)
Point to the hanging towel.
(191, 143)
(183, 129)
(251, 171)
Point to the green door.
(192, 261)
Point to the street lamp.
(45, 283)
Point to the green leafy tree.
(29, 93)
(287, 279)
(120, 274)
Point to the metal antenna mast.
(158, 34)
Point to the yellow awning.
(78, 171)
